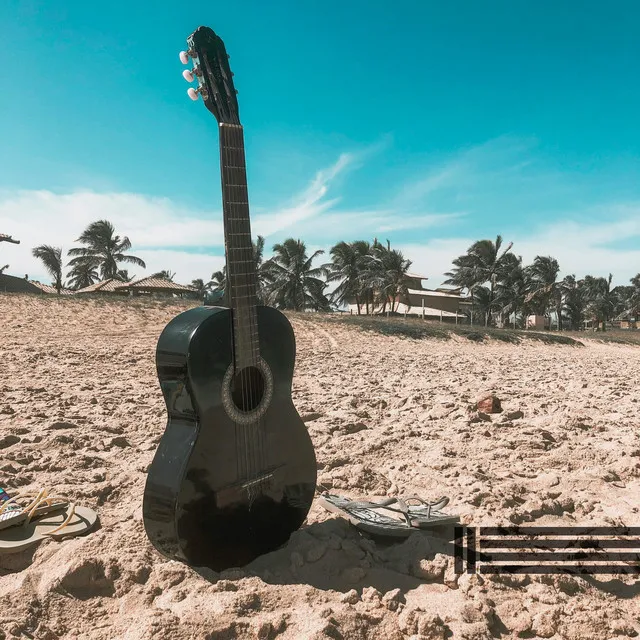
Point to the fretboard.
(241, 267)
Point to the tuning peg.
(187, 75)
(192, 93)
(184, 57)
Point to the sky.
(426, 123)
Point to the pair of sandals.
(369, 516)
(31, 516)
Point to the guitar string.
(244, 372)
(251, 319)
(245, 318)
(228, 246)
(251, 311)
(240, 432)
(242, 320)
(261, 429)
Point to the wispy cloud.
(580, 249)
(433, 217)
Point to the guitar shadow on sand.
(334, 555)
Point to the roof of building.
(103, 286)
(150, 283)
(449, 289)
(629, 313)
(416, 275)
(434, 293)
(46, 288)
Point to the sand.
(81, 410)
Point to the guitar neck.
(241, 265)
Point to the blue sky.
(431, 124)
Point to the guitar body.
(223, 489)
(235, 471)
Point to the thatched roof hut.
(154, 285)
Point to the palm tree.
(464, 275)
(364, 252)
(511, 291)
(346, 268)
(387, 273)
(489, 265)
(482, 263)
(262, 271)
(545, 290)
(219, 279)
(574, 300)
(165, 274)
(623, 299)
(483, 300)
(635, 296)
(83, 274)
(635, 283)
(123, 275)
(602, 300)
(52, 259)
(200, 287)
(293, 282)
(105, 248)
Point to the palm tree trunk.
(472, 303)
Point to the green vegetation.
(501, 289)
(418, 329)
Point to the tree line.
(500, 287)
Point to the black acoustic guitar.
(235, 471)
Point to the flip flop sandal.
(12, 512)
(367, 516)
(72, 521)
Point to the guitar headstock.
(211, 70)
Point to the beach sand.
(81, 411)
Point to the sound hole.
(247, 388)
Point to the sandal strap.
(402, 504)
(12, 503)
(45, 500)
(72, 510)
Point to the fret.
(241, 267)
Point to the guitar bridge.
(250, 488)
